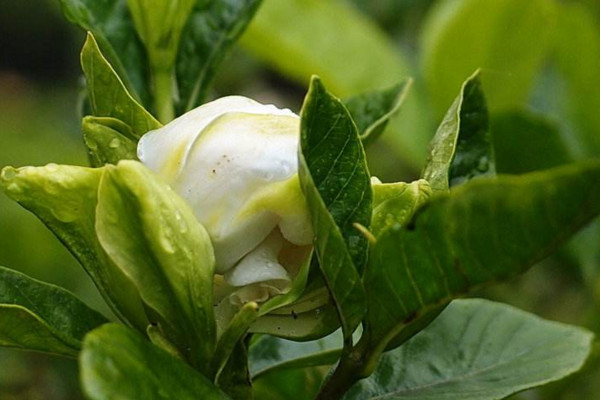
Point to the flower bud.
(235, 162)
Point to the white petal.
(163, 149)
(260, 265)
(237, 156)
(235, 162)
(257, 292)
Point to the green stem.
(344, 376)
(163, 94)
(355, 364)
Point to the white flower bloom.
(235, 162)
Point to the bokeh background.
(541, 68)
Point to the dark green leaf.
(110, 22)
(462, 146)
(480, 232)
(508, 39)
(289, 384)
(107, 94)
(108, 140)
(212, 29)
(372, 111)
(525, 142)
(117, 362)
(64, 198)
(394, 205)
(269, 353)
(477, 350)
(235, 378)
(335, 181)
(154, 237)
(38, 316)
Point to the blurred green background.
(541, 69)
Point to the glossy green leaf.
(110, 22)
(462, 146)
(394, 204)
(578, 28)
(213, 27)
(38, 316)
(107, 94)
(372, 111)
(526, 142)
(478, 233)
(108, 140)
(352, 56)
(154, 238)
(117, 362)
(64, 198)
(508, 39)
(335, 181)
(269, 353)
(477, 350)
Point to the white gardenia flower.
(235, 162)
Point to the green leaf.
(159, 340)
(212, 29)
(108, 140)
(318, 46)
(578, 28)
(462, 146)
(235, 378)
(107, 94)
(64, 198)
(159, 25)
(311, 317)
(117, 362)
(478, 233)
(394, 204)
(233, 333)
(508, 39)
(295, 292)
(38, 316)
(516, 133)
(289, 384)
(335, 181)
(477, 350)
(268, 353)
(372, 111)
(110, 22)
(154, 238)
